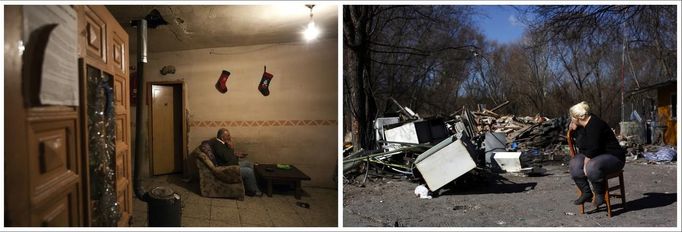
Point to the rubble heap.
(406, 140)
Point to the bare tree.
(593, 45)
(362, 104)
(415, 54)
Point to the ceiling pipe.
(141, 25)
(164, 207)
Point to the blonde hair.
(580, 110)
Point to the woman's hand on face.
(573, 125)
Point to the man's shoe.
(254, 194)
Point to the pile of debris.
(522, 132)
(645, 139)
(440, 150)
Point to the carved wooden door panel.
(54, 168)
(119, 57)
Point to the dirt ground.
(512, 200)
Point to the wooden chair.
(607, 193)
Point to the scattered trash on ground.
(422, 192)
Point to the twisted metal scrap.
(380, 158)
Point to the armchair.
(217, 181)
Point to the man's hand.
(230, 144)
(240, 155)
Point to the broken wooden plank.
(499, 106)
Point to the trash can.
(164, 207)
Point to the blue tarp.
(663, 154)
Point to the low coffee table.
(270, 173)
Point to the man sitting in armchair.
(225, 154)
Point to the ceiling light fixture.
(311, 32)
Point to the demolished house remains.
(438, 151)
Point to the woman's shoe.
(599, 190)
(598, 200)
(586, 192)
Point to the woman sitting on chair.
(599, 154)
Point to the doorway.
(167, 135)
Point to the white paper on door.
(59, 77)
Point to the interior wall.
(296, 124)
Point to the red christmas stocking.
(220, 85)
(265, 83)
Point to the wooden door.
(104, 47)
(164, 149)
(42, 154)
(47, 180)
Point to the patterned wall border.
(263, 123)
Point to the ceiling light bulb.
(311, 32)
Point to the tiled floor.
(280, 210)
